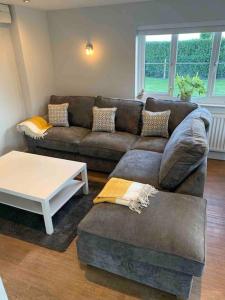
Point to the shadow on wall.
(12, 139)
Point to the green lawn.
(155, 85)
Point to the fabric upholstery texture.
(184, 152)
(80, 109)
(58, 114)
(63, 139)
(203, 114)
(179, 110)
(139, 165)
(155, 144)
(93, 163)
(104, 119)
(170, 233)
(128, 115)
(155, 123)
(195, 182)
(106, 145)
(104, 156)
(100, 252)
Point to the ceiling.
(63, 4)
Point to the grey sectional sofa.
(125, 153)
(164, 247)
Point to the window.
(220, 76)
(157, 59)
(166, 55)
(193, 56)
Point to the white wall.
(26, 73)
(34, 57)
(11, 102)
(112, 29)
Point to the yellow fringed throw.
(135, 195)
(35, 127)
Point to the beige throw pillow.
(155, 123)
(104, 119)
(58, 114)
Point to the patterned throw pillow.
(58, 114)
(155, 123)
(104, 119)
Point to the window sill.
(203, 101)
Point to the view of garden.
(193, 56)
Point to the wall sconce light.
(89, 49)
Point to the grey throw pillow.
(58, 114)
(184, 152)
(155, 123)
(104, 119)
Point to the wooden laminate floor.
(30, 272)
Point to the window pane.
(157, 59)
(193, 56)
(220, 76)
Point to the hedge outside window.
(157, 59)
(184, 54)
(220, 82)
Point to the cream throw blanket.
(135, 195)
(35, 127)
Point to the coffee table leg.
(85, 179)
(47, 217)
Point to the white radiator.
(217, 133)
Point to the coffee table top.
(35, 177)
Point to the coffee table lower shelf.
(47, 208)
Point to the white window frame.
(194, 27)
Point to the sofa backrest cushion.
(179, 110)
(128, 114)
(80, 109)
(203, 114)
(184, 152)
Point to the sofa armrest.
(194, 184)
(31, 144)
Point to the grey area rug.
(30, 227)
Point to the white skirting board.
(216, 155)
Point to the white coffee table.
(40, 184)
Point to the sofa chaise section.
(164, 247)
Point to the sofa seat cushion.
(155, 144)
(107, 145)
(139, 165)
(63, 139)
(170, 233)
